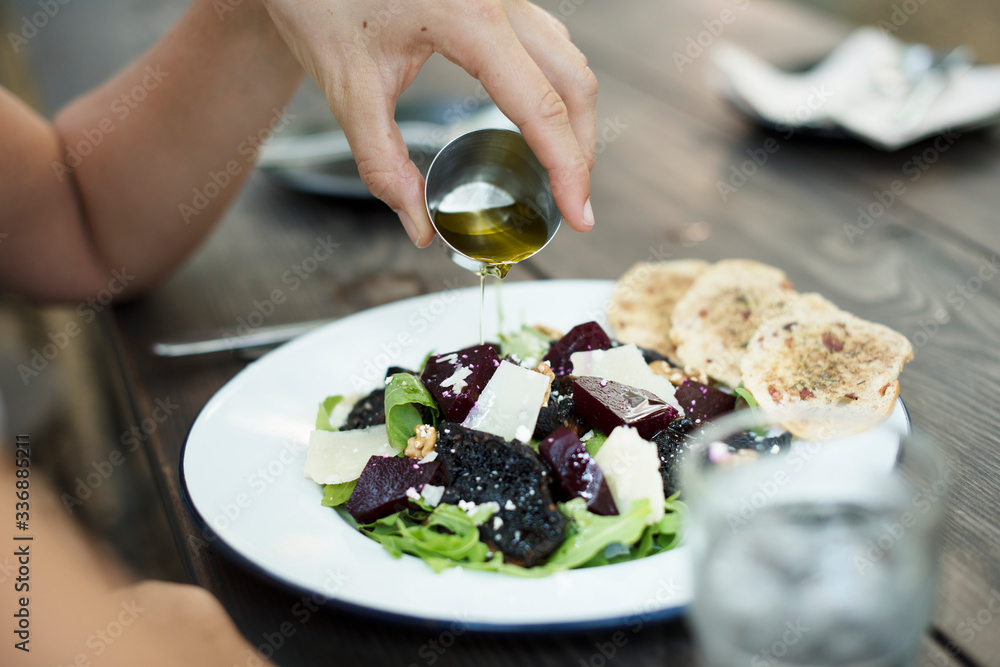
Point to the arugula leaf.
(402, 395)
(325, 410)
(747, 397)
(448, 537)
(338, 494)
(590, 533)
(528, 345)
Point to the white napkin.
(872, 86)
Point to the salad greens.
(528, 343)
(325, 410)
(338, 494)
(402, 395)
(445, 536)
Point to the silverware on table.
(250, 344)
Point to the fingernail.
(411, 229)
(588, 214)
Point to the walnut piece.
(677, 375)
(422, 443)
(543, 368)
(548, 331)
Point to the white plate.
(243, 460)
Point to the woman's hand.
(364, 53)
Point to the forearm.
(126, 159)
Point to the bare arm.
(111, 182)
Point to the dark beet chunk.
(369, 411)
(703, 403)
(586, 336)
(456, 379)
(608, 404)
(671, 447)
(481, 468)
(578, 473)
(382, 487)
(559, 411)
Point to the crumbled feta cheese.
(428, 458)
(509, 505)
(497, 522)
(457, 381)
(412, 494)
(587, 436)
(432, 494)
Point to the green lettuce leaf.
(446, 537)
(595, 442)
(528, 345)
(402, 395)
(325, 410)
(335, 495)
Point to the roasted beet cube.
(586, 336)
(369, 411)
(383, 484)
(608, 404)
(456, 379)
(576, 470)
(703, 403)
(478, 467)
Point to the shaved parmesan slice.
(632, 469)
(335, 457)
(509, 404)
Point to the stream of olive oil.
(498, 237)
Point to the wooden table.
(667, 141)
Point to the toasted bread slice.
(716, 317)
(816, 356)
(644, 300)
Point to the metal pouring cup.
(484, 169)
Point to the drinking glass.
(813, 551)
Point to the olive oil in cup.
(489, 200)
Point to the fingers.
(366, 114)
(494, 54)
(547, 42)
